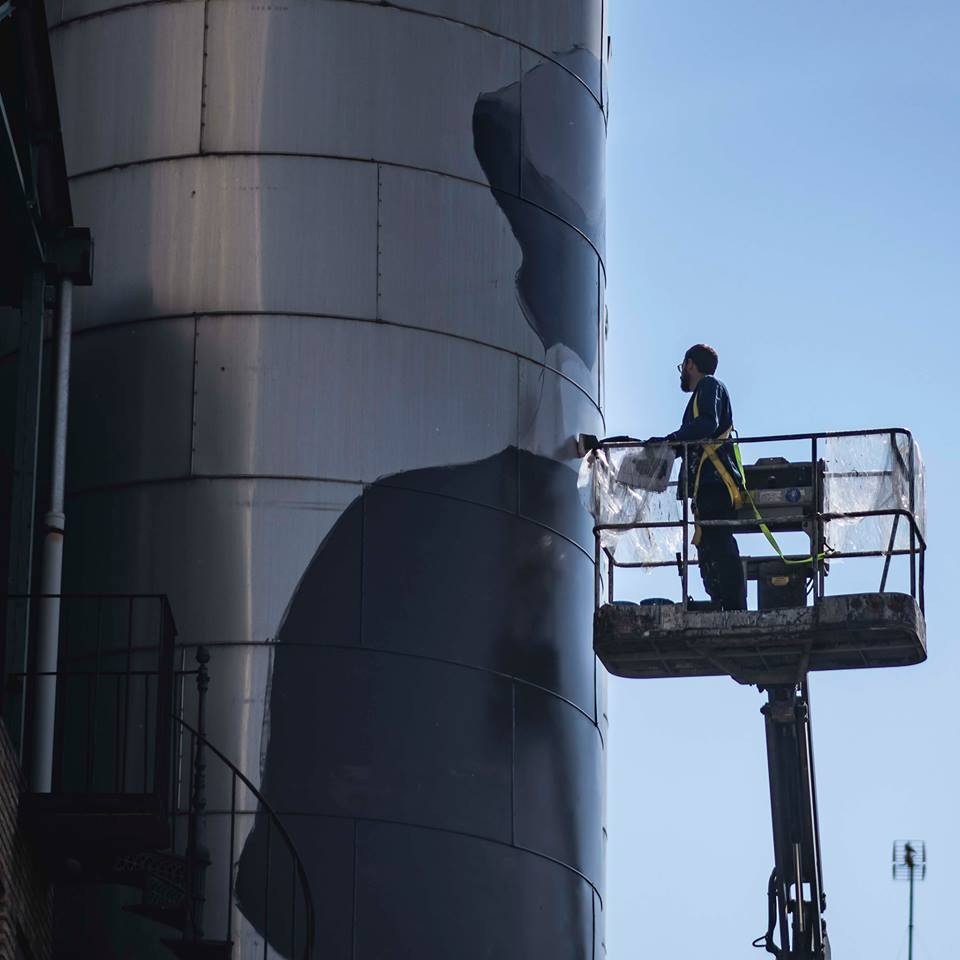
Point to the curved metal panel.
(446, 250)
(557, 283)
(558, 791)
(566, 30)
(599, 929)
(274, 393)
(247, 542)
(269, 63)
(326, 848)
(130, 85)
(131, 392)
(83, 8)
(602, 717)
(380, 722)
(552, 412)
(602, 337)
(54, 10)
(429, 603)
(605, 60)
(485, 899)
(283, 234)
(564, 148)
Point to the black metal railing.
(812, 519)
(121, 737)
(208, 835)
(114, 694)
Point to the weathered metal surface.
(440, 236)
(768, 646)
(264, 66)
(142, 69)
(237, 234)
(569, 31)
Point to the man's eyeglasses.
(680, 366)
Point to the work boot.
(703, 606)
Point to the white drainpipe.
(48, 626)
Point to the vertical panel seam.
(593, 904)
(596, 698)
(356, 885)
(600, 326)
(605, 331)
(603, 55)
(516, 459)
(520, 122)
(378, 312)
(193, 396)
(363, 557)
(513, 763)
(203, 75)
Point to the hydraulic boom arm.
(795, 929)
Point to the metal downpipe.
(48, 623)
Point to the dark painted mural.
(415, 584)
(431, 572)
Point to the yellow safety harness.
(710, 452)
(737, 493)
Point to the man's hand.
(651, 440)
(586, 443)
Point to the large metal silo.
(346, 325)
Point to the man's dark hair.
(704, 357)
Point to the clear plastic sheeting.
(872, 472)
(868, 473)
(631, 485)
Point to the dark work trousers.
(717, 552)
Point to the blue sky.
(782, 183)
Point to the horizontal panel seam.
(457, 833)
(510, 513)
(78, 492)
(317, 815)
(125, 7)
(508, 39)
(110, 11)
(323, 647)
(366, 161)
(90, 331)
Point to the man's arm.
(707, 422)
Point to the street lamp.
(909, 863)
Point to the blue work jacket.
(714, 416)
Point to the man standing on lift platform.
(710, 476)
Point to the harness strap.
(737, 493)
(764, 529)
(710, 452)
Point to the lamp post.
(910, 863)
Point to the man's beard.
(685, 382)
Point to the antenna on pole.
(910, 863)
